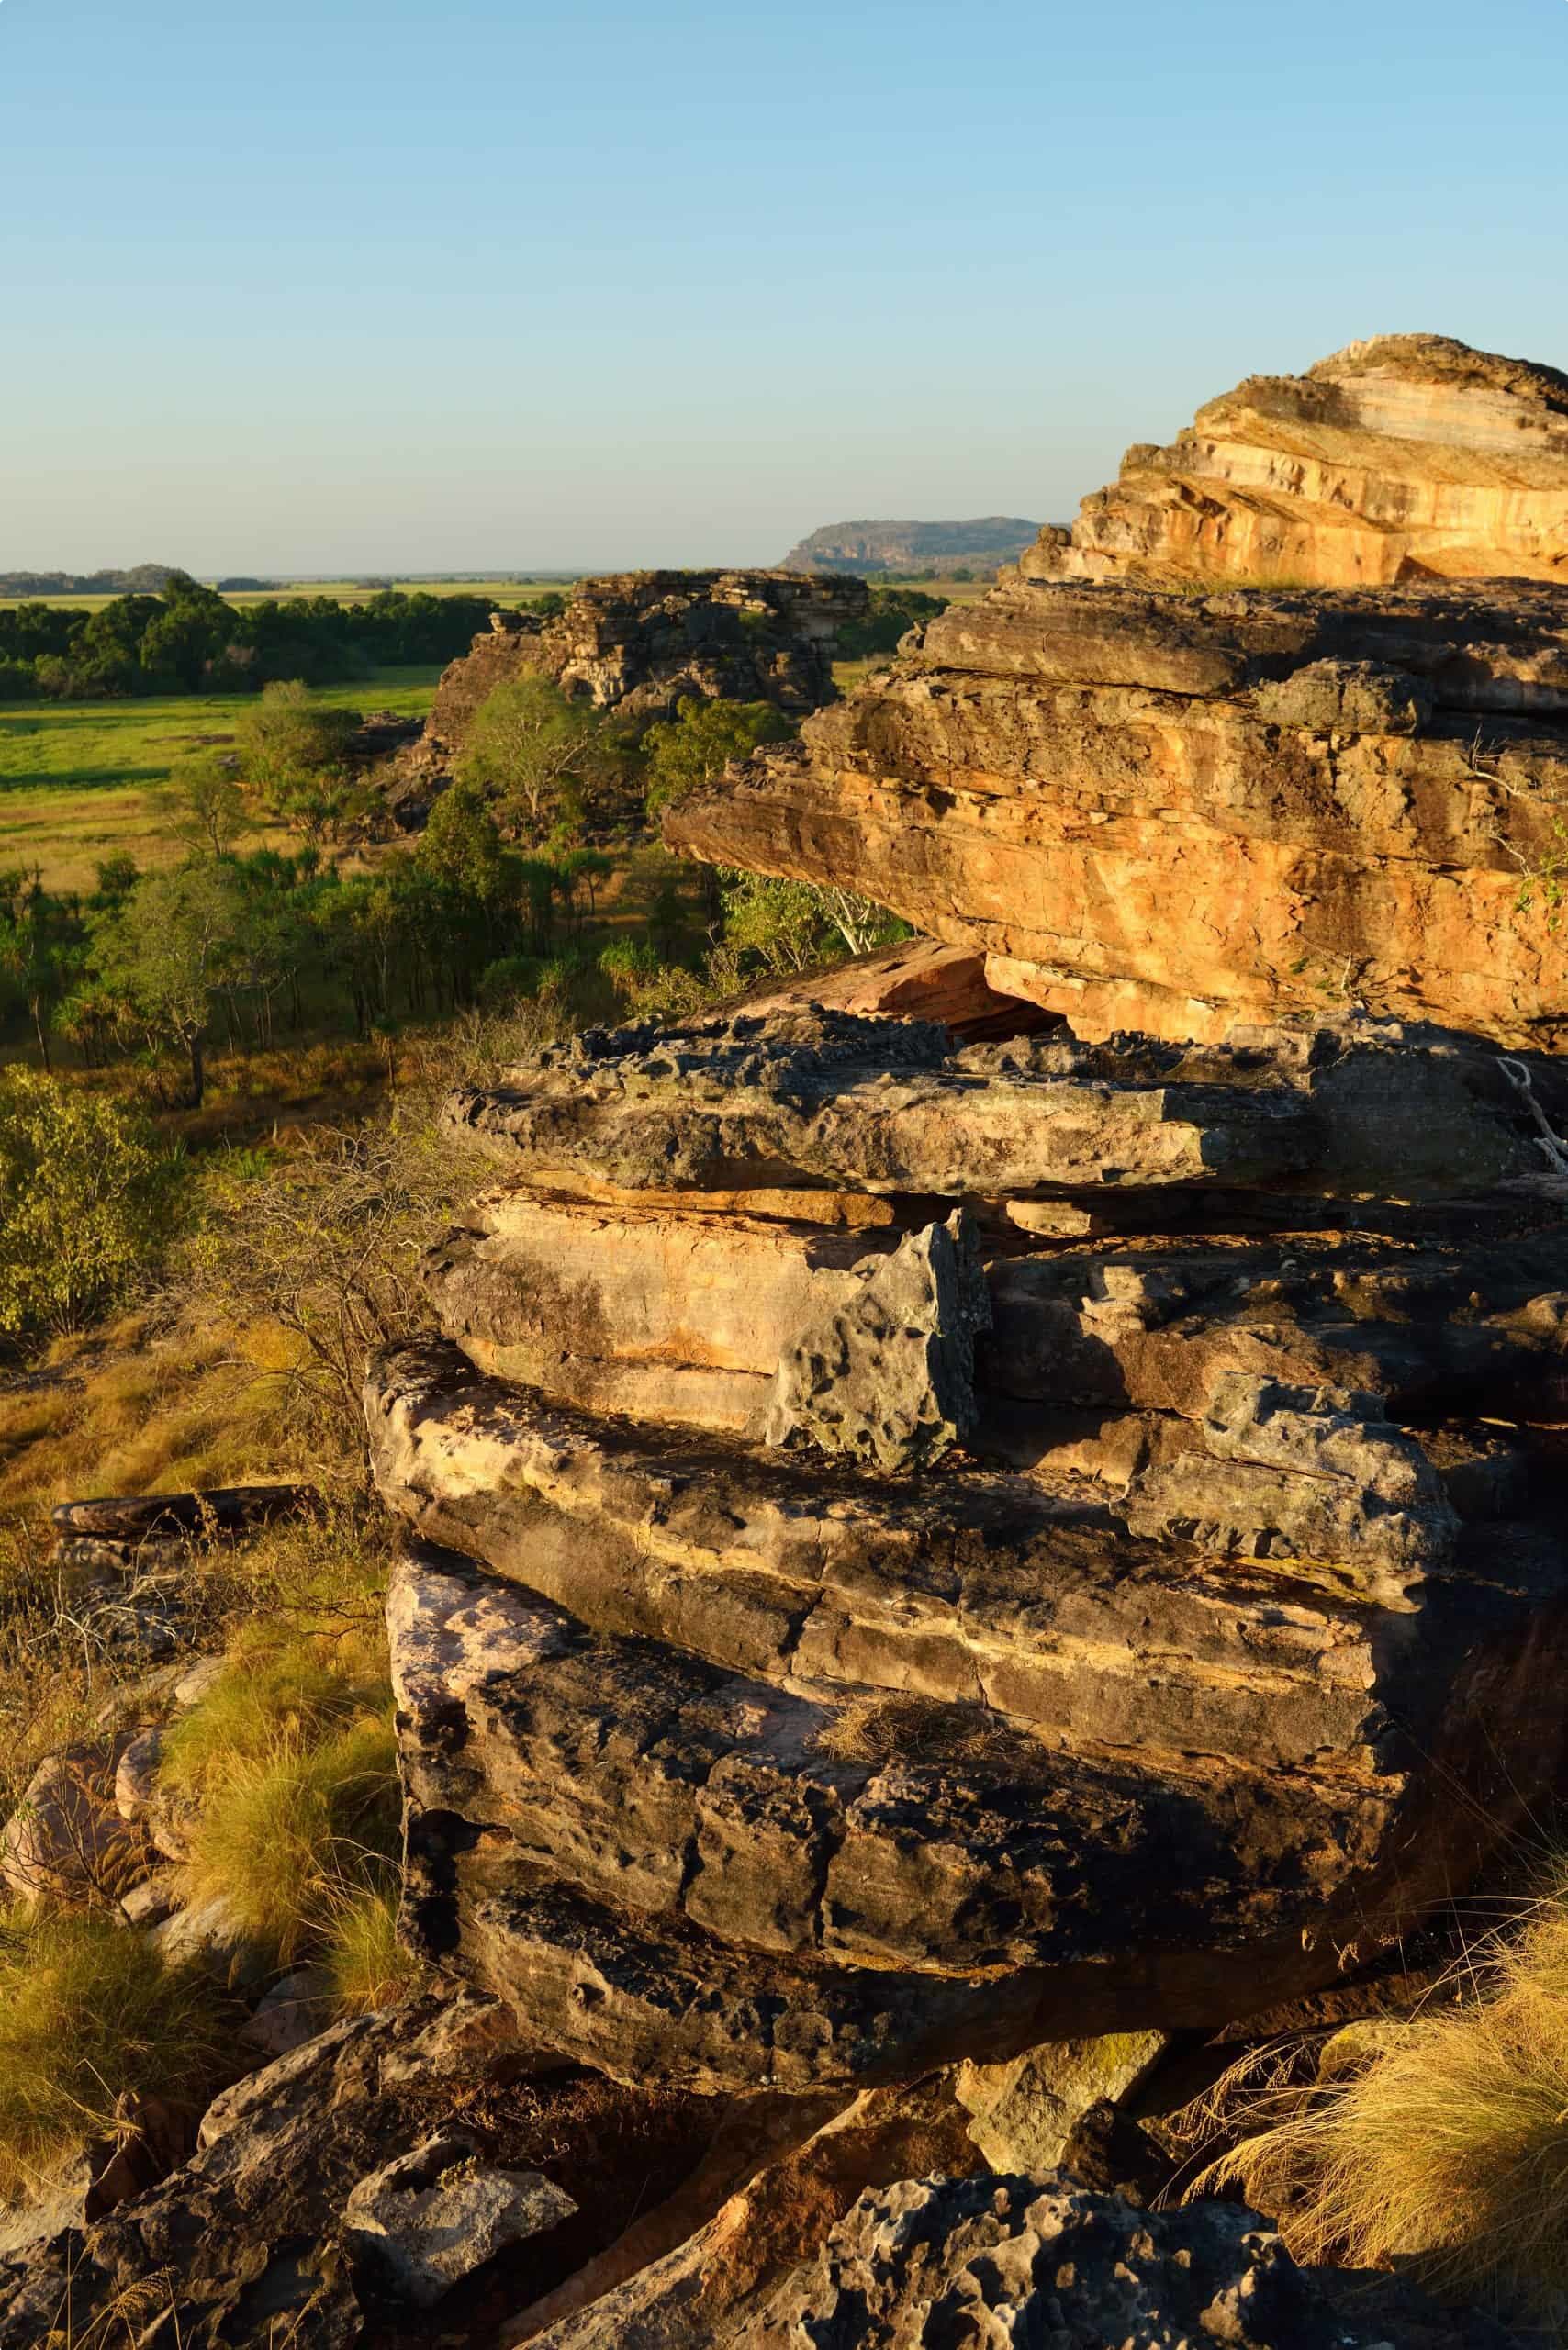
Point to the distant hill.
(918, 547)
(142, 580)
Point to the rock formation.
(1173, 813)
(848, 1627)
(870, 547)
(1400, 458)
(641, 642)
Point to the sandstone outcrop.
(1402, 457)
(1179, 813)
(1101, 1648)
(641, 642)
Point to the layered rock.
(1402, 457)
(642, 641)
(1175, 813)
(846, 1630)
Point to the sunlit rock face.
(1403, 457)
(1175, 813)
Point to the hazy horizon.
(348, 289)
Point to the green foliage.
(89, 2013)
(42, 950)
(540, 757)
(207, 807)
(786, 926)
(299, 1694)
(363, 1961)
(188, 638)
(294, 755)
(168, 949)
(85, 1203)
(894, 610)
(688, 751)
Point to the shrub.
(89, 2013)
(85, 1203)
(1446, 2150)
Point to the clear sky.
(370, 283)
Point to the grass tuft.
(1444, 2146)
(286, 1835)
(366, 1964)
(90, 2013)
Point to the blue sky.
(337, 285)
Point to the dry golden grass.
(88, 2014)
(1441, 2143)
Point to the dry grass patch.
(1438, 2143)
(89, 2013)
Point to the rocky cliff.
(642, 641)
(1402, 457)
(1172, 812)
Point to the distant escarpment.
(979, 544)
(642, 642)
(1404, 457)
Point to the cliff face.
(1402, 457)
(1171, 812)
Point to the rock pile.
(1173, 813)
(1399, 458)
(642, 641)
(916, 1552)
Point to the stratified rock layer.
(1403, 456)
(1099, 1640)
(1171, 814)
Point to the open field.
(79, 781)
(343, 591)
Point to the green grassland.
(342, 591)
(80, 781)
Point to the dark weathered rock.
(155, 1518)
(863, 1883)
(813, 1097)
(430, 2217)
(1029, 2261)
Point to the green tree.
(206, 808)
(42, 944)
(85, 1203)
(169, 949)
(539, 755)
(691, 749)
(294, 753)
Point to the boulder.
(1175, 813)
(430, 2217)
(1403, 456)
(1024, 2112)
(66, 1840)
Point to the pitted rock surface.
(1023, 2261)
(888, 1376)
